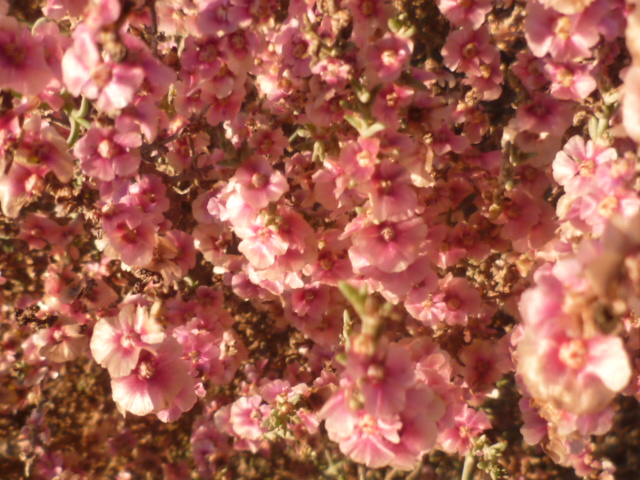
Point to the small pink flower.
(580, 164)
(387, 58)
(129, 235)
(580, 375)
(258, 184)
(469, 423)
(389, 246)
(61, 342)
(565, 37)
(117, 341)
(159, 381)
(465, 13)
(105, 153)
(38, 230)
(22, 59)
(570, 81)
(465, 50)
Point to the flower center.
(389, 58)
(453, 303)
(470, 51)
(388, 234)
(146, 370)
(573, 353)
(208, 53)
(259, 180)
(562, 27)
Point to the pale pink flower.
(117, 341)
(580, 375)
(360, 435)
(570, 81)
(112, 85)
(41, 145)
(129, 235)
(38, 230)
(247, 415)
(156, 382)
(484, 363)
(61, 342)
(465, 13)
(469, 423)
(105, 153)
(22, 59)
(389, 246)
(465, 50)
(258, 184)
(390, 192)
(387, 58)
(579, 165)
(565, 37)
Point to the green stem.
(469, 466)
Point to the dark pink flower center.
(15, 53)
(208, 53)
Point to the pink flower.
(258, 184)
(465, 50)
(22, 59)
(465, 13)
(159, 381)
(246, 417)
(565, 37)
(117, 341)
(580, 375)
(105, 153)
(129, 235)
(387, 58)
(484, 363)
(363, 437)
(469, 423)
(38, 230)
(42, 145)
(570, 81)
(389, 246)
(390, 192)
(61, 342)
(112, 85)
(579, 165)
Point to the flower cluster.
(292, 228)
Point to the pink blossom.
(128, 235)
(463, 13)
(580, 375)
(570, 81)
(21, 59)
(565, 37)
(465, 50)
(387, 58)
(112, 85)
(469, 423)
(117, 341)
(578, 165)
(159, 381)
(62, 342)
(258, 184)
(389, 246)
(105, 153)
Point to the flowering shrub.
(318, 238)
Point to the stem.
(74, 133)
(469, 466)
